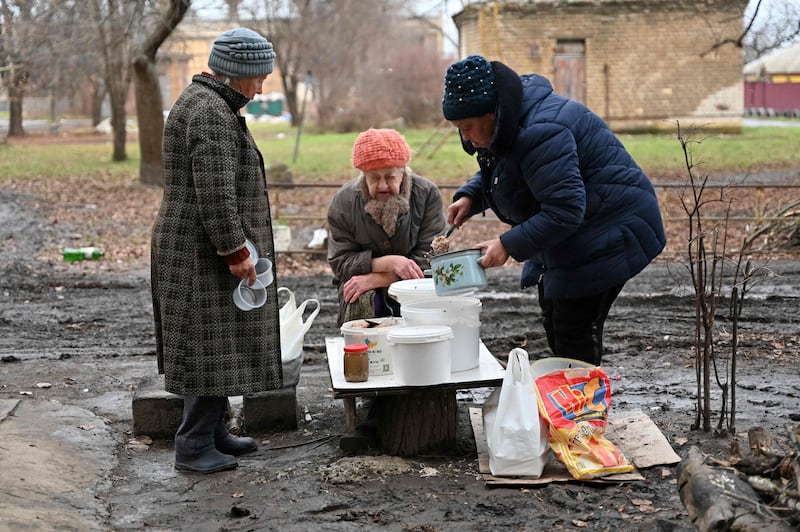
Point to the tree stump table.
(411, 419)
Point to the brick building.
(640, 64)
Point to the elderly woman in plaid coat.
(215, 199)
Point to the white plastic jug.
(293, 331)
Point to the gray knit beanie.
(241, 53)
(469, 89)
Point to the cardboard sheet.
(639, 439)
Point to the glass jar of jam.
(356, 363)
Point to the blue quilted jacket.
(584, 216)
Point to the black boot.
(194, 441)
(227, 443)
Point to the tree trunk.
(15, 97)
(417, 422)
(96, 98)
(149, 106)
(290, 93)
(149, 102)
(118, 126)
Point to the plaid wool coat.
(215, 197)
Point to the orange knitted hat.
(380, 148)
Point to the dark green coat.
(215, 197)
(355, 238)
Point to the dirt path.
(86, 329)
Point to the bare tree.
(233, 10)
(711, 263)
(330, 38)
(149, 103)
(769, 27)
(116, 21)
(285, 24)
(24, 50)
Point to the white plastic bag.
(293, 331)
(515, 435)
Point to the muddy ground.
(85, 328)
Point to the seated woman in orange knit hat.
(381, 225)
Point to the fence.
(754, 203)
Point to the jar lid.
(356, 348)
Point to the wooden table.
(410, 429)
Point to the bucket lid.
(420, 334)
(412, 286)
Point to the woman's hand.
(355, 286)
(358, 284)
(405, 268)
(244, 270)
(458, 211)
(494, 253)
(401, 266)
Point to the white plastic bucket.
(421, 355)
(380, 352)
(546, 365)
(462, 314)
(409, 290)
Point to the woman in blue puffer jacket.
(584, 217)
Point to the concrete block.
(270, 411)
(156, 412)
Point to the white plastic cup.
(264, 273)
(247, 297)
(252, 249)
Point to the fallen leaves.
(139, 443)
(645, 506)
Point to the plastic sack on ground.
(515, 435)
(575, 403)
(293, 331)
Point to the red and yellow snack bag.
(575, 402)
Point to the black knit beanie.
(469, 89)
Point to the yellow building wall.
(648, 63)
(185, 54)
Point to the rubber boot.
(227, 443)
(194, 440)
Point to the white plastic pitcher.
(462, 314)
(293, 327)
